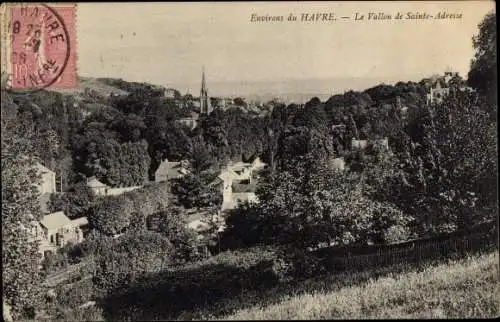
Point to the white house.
(101, 189)
(363, 144)
(437, 93)
(97, 187)
(199, 226)
(171, 170)
(359, 144)
(240, 175)
(337, 164)
(55, 230)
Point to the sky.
(169, 43)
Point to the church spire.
(205, 107)
(203, 86)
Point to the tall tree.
(20, 258)
(448, 178)
(483, 73)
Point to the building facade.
(238, 185)
(47, 181)
(55, 230)
(171, 170)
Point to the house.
(381, 143)
(363, 144)
(339, 127)
(55, 230)
(171, 170)
(257, 164)
(97, 187)
(170, 93)
(120, 190)
(199, 226)
(337, 164)
(241, 171)
(240, 197)
(437, 93)
(238, 183)
(191, 122)
(359, 144)
(101, 189)
(59, 229)
(244, 171)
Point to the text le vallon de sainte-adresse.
(357, 16)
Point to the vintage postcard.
(249, 160)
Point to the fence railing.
(412, 252)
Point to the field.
(467, 288)
(233, 285)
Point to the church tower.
(205, 107)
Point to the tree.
(111, 216)
(20, 258)
(307, 204)
(199, 156)
(76, 202)
(198, 190)
(446, 177)
(170, 224)
(244, 227)
(238, 101)
(129, 258)
(483, 72)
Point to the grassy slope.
(466, 288)
(93, 84)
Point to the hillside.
(96, 85)
(467, 288)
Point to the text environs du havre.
(357, 16)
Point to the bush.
(131, 257)
(197, 190)
(295, 264)
(244, 227)
(76, 294)
(114, 215)
(397, 234)
(53, 262)
(170, 224)
(76, 202)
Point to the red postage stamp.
(42, 47)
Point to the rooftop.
(82, 221)
(55, 220)
(41, 168)
(171, 169)
(94, 183)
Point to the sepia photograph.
(249, 160)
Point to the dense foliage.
(308, 205)
(76, 202)
(114, 215)
(21, 287)
(483, 73)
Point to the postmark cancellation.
(38, 46)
